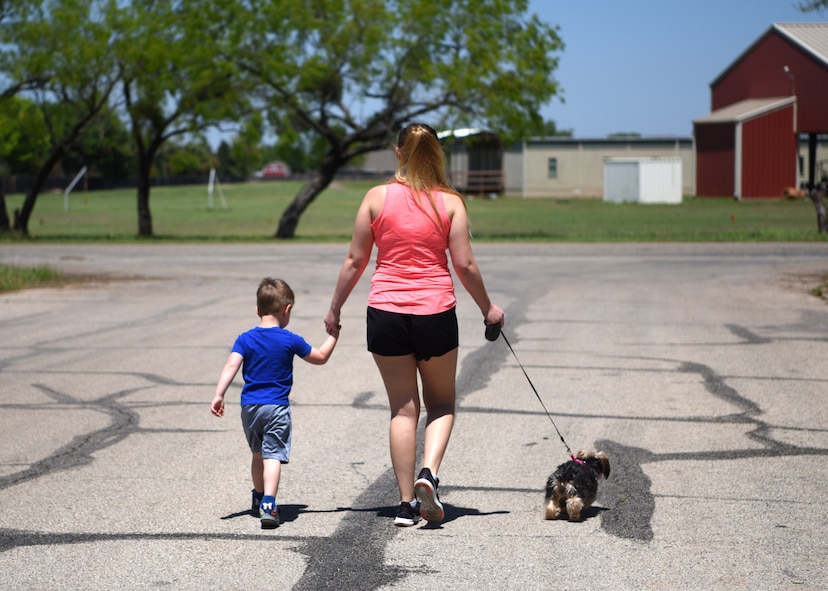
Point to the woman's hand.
(495, 315)
(332, 325)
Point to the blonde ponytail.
(422, 165)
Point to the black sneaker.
(269, 515)
(407, 515)
(257, 500)
(431, 509)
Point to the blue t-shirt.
(268, 363)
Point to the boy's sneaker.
(407, 514)
(269, 514)
(257, 500)
(431, 509)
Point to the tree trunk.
(822, 211)
(24, 214)
(306, 196)
(5, 227)
(144, 214)
(21, 217)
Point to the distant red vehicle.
(274, 170)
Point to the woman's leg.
(399, 373)
(439, 394)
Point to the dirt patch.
(812, 283)
(81, 280)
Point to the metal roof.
(609, 140)
(811, 37)
(460, 133)
(746, 109)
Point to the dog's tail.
(605, 465)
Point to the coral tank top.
(412, 274)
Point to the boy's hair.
(272, 296)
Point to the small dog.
(573, 485)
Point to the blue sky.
(646, 66)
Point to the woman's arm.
(359, 253)
(464, 263)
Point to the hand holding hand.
(332, 325)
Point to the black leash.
(492, 332)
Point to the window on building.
(553, 168)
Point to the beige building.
(559, 166)
(572, 167)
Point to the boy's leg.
(271, 473)
(275, 450)
(269, 510)
(266, 474)
(257, 471)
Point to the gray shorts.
(267, 428)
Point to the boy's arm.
(321, 355)
(231, 368)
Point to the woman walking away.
(412, 325)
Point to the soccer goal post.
(71, 186)
(214, 182)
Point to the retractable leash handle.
(492, 332)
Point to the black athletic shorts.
(392, 334)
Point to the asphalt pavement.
(699, 369)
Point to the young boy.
(265, 354)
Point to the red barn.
(748, 146)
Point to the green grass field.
(253, 212)
(12, 278)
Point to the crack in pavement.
(354, 555)
(79, 451)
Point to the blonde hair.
(272, 296)
(422, 164)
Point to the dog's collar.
(576, 460)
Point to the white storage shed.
(642, 180)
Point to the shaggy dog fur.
(573, 485)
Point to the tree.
(816, 192)
(245, 152)
(301, 151)
(191, 159)
(24, 138)
(10, 15)
(11, 85)
(353, 72)
(225, 160)
(550, 129)
(105, 147)
(173, 80)
(57, 51)
(813, 5)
